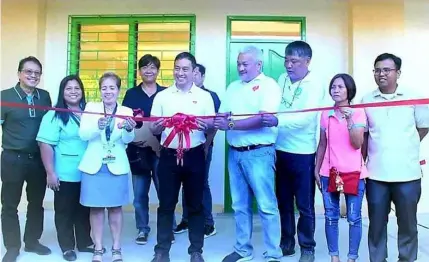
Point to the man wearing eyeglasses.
(21, 161)
(392, 148)
(295, 148)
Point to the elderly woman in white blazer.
(105, 165)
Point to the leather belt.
(19, 153)
(248, 148)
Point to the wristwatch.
(231, 124)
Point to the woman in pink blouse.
(341, 138)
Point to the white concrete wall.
(326, 32)
(416, 64)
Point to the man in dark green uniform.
(21, 161)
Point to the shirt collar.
(158, 87)
(22, 95)
(306, 78)
(399, 92)
(258, 78)
(177, 90)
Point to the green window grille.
(98, 44)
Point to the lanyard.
(76, 118)
(109, 122)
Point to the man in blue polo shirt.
(210, 230)
(143, 153)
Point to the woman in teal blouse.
(62, 149)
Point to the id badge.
(109, 157)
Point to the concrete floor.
(218, 246)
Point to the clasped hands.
(128, 124)
(222, 120)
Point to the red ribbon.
(409, 102)
(182, 127)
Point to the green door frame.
(301, 20)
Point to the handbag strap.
(329, 146)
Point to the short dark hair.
(349, 82)
(149, 59)
(385, 56)
(61, 103)
(299, 48)
(187, 55)
(201, 68)
(112, 76)
(29, 59)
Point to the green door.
(273, 66)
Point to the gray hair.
(254, 51)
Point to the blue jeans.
(331, 202)
(141, 187)
(207, 195)
(251, 173)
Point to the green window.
(98, 44)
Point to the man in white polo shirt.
(295, 147)
(183, 97)
(393, 148)
(251, 159)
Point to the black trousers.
(17, 168)
(171, 176)
(405, 196)
(71, 218)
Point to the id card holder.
(109, 157)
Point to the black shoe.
(209, 231)
(161, 258)
(181, 228)
(197, 257)
(307, 257)
(235, 257)
(69, 255)
(288, 252)
(141, 238)
(37, 248)
(11, 255)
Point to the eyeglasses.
(31, 72)
(385, 71)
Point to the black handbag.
(141, 159)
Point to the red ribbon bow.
(182, 126)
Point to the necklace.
(296, 93)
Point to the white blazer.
(92, 159)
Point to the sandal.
(98, 253)
(118, 253)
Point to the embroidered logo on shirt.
(255, 88)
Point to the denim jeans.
(141, 187)
(207, 197)
(251, 173)
(331, 202)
